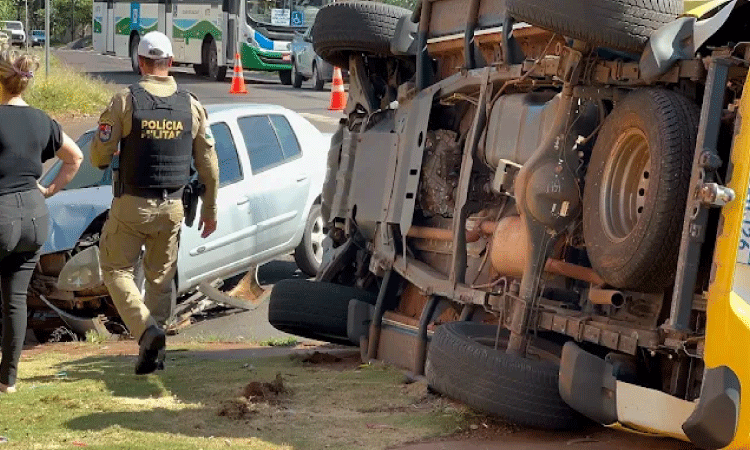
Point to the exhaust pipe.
(606, 297)
(509, 249)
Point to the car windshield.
(87, 175)
(289, 13)
(37, 33)
(13, 26)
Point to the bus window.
(261, 11)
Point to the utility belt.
(189, 194)
(159, 193)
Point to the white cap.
(155, 45)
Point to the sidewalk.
(75, 127)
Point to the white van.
(15, 30)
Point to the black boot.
(152, 343)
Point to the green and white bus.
(206, 33)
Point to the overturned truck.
(541, 206)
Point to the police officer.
(160, 129)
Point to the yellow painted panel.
(700, 7)
(728, 314)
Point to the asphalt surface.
(262, 87)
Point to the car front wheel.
(309, 253)
(296, 77)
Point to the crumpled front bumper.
(710, 423)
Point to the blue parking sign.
(135, 15)
(298, 18)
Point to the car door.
(306, 54)
(234, 240)
(280, 185)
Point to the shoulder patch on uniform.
(105, 131)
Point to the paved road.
(262, 87)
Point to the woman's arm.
(71, 157)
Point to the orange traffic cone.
(238, 77)
(338, 96)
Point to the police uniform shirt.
(115, 124)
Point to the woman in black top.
(28, 137)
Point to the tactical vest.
(158, 151)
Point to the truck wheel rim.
(625, 184)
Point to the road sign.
(298, 18)
(279, 16)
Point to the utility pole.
(26, 21)
(46, 38)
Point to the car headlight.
(81, 272)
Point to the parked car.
(271, 166)
(307, 65)
(37, 38)
(16, 31)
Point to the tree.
(7, 10)
(68, 13)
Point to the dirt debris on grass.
(280, 405)
(238, 408)
(244, 407)
(326, 360)
(265, 392)
(320, 358)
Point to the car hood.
(71, 212)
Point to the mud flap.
(587, 384)
(679, 40)
(713, 424)
(358, 320)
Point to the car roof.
(238, 108)
(235, 109)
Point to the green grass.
(94, 337)
(279, 342)
(66, 92)
(77, 394)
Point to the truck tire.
(617, 24)
(309, 253)
(636, 189)
(315, 310)
(346, 27)
(463, 364)
(134, 42)
(210, 58)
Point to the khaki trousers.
(135, 223)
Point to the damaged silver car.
(268, 205)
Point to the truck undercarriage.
(532, 215)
